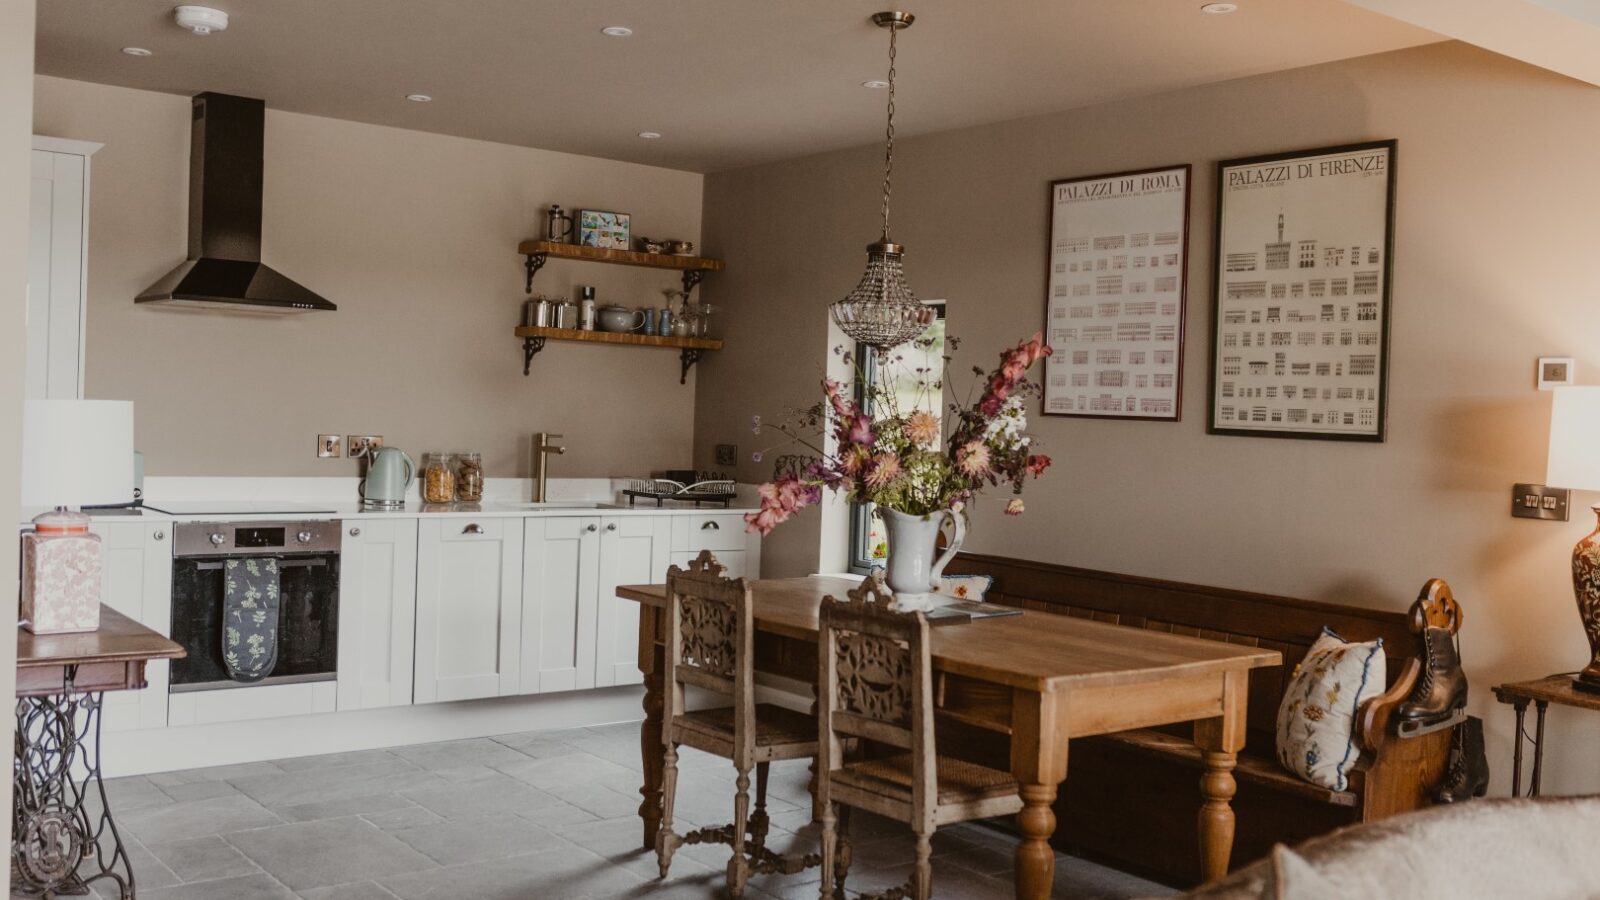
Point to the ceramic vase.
(913, 570)
(1586, 585)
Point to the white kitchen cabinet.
(723, 533)
(633, 550)
(136, 566)
(58, 243)
(377, 612)
(560, 578)
(469, 608)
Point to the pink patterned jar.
(60, 574)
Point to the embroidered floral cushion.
(964, 587)
(1317, 719)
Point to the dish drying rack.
(719, 491)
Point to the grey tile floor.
(535, 816)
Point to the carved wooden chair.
(876, 683)
(710, 645)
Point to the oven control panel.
(255, 538)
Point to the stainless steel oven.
(308, 589)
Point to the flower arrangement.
(896, 458)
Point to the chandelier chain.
(888, 143)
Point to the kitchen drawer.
(708, 531)
(737, 562)
(464, 529)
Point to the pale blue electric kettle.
(389, 475)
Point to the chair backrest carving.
(710, 638)
(875, 682)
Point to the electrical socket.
(360, 444)
(727, 454)
(327, 446)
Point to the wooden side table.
(61, 843)
(1556, 689)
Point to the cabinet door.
(561, 566)
(377, 612)
(633, 550)
(55, 275)
(136, 565)
(469, 608)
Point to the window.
(868, 542)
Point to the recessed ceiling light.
(1219, 8)
(650, 135)
(875, 84)
(419, 98)
(616, 31)
(137, 51)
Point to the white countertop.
(296, 499)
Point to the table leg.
(1039, 763)
(1220, 741)
(58, 847)
(1538, 748)
(652, 664)
(1521, 707)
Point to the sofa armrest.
(1372, 720)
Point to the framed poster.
(1300, 307)
(1114, 301)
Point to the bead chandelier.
(882, 312)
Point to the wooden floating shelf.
(625, 257)
(690, 349)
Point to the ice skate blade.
(1410, 728)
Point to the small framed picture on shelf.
(606, 230)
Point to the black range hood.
(224, 268)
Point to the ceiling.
(728, 83)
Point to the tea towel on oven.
(250, 618)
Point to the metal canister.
(664, 321)
(563, 315)
(537, 312)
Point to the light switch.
(1536, 501)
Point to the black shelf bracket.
(688, 357)
(534, 264)
(530, 346)
(691, 277)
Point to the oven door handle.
(282, 564)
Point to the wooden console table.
(60, 843)
(1556, 689)
(1061, 677)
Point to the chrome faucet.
(541, 448)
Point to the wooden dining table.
(1052, 678)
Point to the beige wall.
(414, 237)
(16, 111)
(1494, 266)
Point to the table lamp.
(75, 453)
(1575, 463)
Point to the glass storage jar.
(469, 477)
(438, 478)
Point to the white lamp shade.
(77, 452)
(1575, 439)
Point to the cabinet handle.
(355, 532)
(611, 526)
(710, 526)
(592, 528)
(474, 528)
(160, 535)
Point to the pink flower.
(1015, 507)
(922, 429)
(1037, 463)
(764, 520)
(972, 460)
(853, 459)
(841, 406)
(885, 468)
(860, 431)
